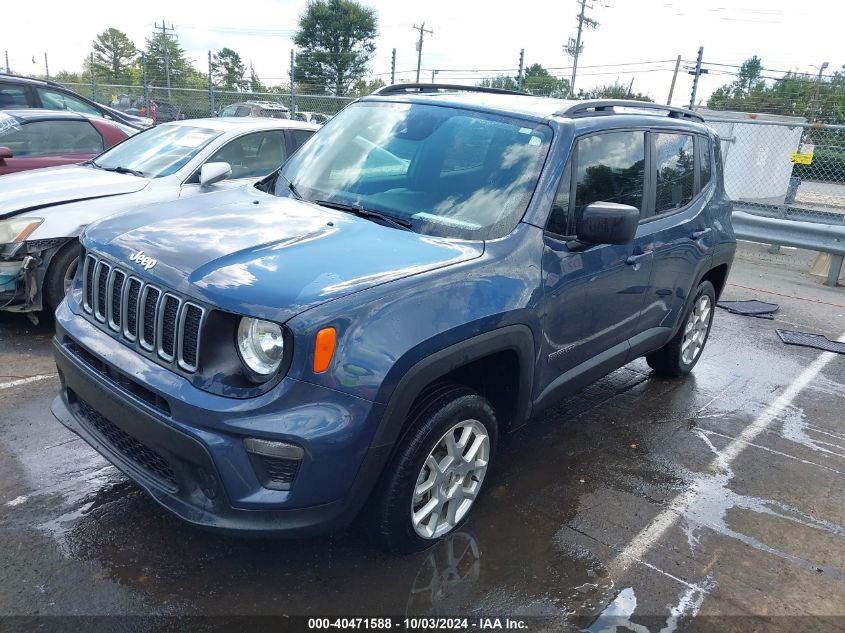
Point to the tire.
(679, 356)
(59, 274)
(446, 411)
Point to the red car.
(30, 139)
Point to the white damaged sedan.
(42, 212)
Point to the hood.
(264, 256)
(30, 190)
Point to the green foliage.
(255, 84)
(828, 166)
(228, 71)
(502, 82)
(815, 98)
(336, 39)
(615, 90)
(114, 53)
(180, 68)
(538, 81)
(364, 88)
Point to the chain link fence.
(193, 103)
(781, 166)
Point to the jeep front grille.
(159, 321)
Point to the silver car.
(43, 211)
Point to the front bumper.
(192, 460)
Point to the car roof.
(28, 115)
(33, 80)
(534, 107)
(246, 123)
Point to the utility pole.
(46, 67)
(211, 87)
(8, 70)
(696, 72)
(393, 67)
(574, 47)
(630, 88)
(144, 78)
(93, 79)
(521, 66)
(165, 42)
(422, 31)
(292, 83)
(674, 78)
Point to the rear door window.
(674, 159)
(704, 159)
(52, 138)
(56, 100)
(253, 155)
(12, 96)
(298, 137)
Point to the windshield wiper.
(123, 170)
(357, 209)
(291, 186)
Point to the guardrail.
(825, 238)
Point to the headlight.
(17, 229)
(261, 346)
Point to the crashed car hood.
(264, 256)
(30, 190)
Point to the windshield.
(159, 151)
(451, 172)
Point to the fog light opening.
(275, 463)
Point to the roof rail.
(606, 106)
(423, 88)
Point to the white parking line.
(24, 381)
(654, 531)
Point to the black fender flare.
(517, 338)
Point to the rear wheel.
(60, 275)
(680, 355)
(436, 474)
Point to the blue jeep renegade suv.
(352, 337)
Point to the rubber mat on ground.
(805, 339)
(755, 308)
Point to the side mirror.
(5, 152)
(607, 223)
(211, 173)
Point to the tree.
(537, 80)
(114, 53)
(228, 70)
(364, 88)
(159, 46)
(502, 82)
(336, 39)
(255, 84)
(615, 90)
(747, 87)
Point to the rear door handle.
(633, 260)
(699, 234)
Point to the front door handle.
(633, 260)
(699, 234)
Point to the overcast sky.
(642, 36)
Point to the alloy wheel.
(450, 479)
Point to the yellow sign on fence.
(804, 155)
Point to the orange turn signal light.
(324, 345)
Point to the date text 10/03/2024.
(417, 624)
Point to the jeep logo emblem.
(142, 260)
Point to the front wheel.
(680, 355)
(437, 473)
(60, 275)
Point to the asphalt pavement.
(714, 501)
